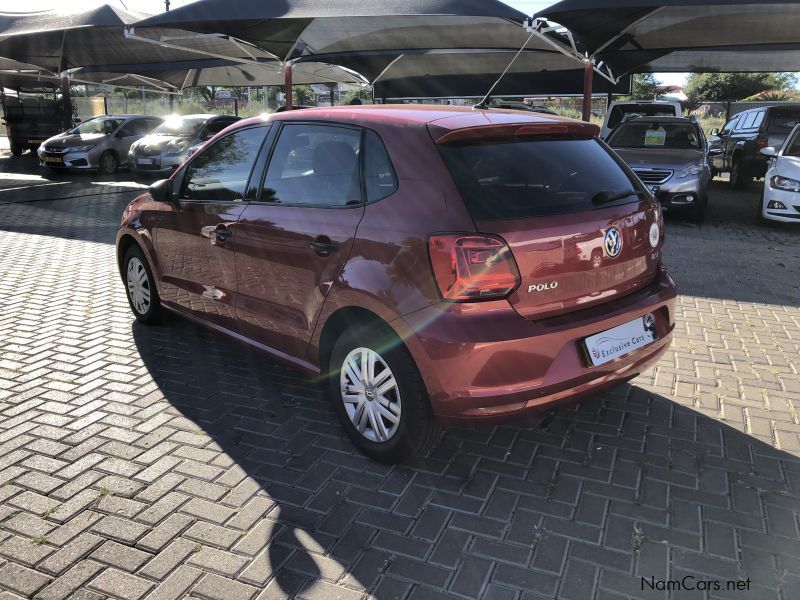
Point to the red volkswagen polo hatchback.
(435, 264)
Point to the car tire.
(740, 179)
(108, 163)
(17, 150)
(140, 287)
(366, 418)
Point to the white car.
(781, 200)
(620, 111)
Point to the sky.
(155, 6)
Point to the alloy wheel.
(138, 285)
(370, 395)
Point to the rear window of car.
(521, 179)
(784, 122)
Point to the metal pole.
(66, 100)
(588, 76)
(287, 75)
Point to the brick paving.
(170, 462)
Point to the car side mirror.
(715, 131)
(769, 152)
(161, 191)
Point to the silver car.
(100, 143)
(670, 156)
(161, 152)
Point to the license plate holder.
(618, 341)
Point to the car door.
(293, 242)
(196, 241)
(720, 144)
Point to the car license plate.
(58, 160)
(605, 347)
(144, 161)
(34, 142)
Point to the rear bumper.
(485, 363)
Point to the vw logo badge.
(613, 242)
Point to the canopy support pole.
(287, 75)
(588, 76)
(67, 101)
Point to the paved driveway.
(170, 462)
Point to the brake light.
(473, 267)
(761, 142)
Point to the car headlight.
(84, 148)
(784, 183)
(175, 148)
(689, 171)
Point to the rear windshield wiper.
(606, 197)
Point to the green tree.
(363, 94)
(731, 87)
(644, 87)
(303, 95)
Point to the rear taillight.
(472, 267)
(761, 143)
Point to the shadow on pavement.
(626, 485)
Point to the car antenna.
(483, 104)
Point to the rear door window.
(314, 165)
(522, 179)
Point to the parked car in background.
(620, 111)
(100, 143)
(670, 155)
(427, 262)
(781, 199)
(736, 149)
(168, 145)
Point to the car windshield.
(622, 111)
(180, 126)
(652, 134)
(98, 125)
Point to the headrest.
(334, 158)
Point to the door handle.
(324, 246)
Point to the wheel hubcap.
(138, 286)
(108, 163)
(370, 395)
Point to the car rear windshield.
(533, 178)
(652, 134)
(784, 121)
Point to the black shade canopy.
(374, 32)
(461, 74)
(684, 34)
(185, 74)
(60, 40)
